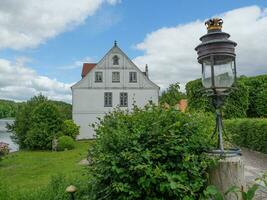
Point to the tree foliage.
(235, 104)
(46, 123)
(64, 108)
(22, 120)
(8, 109)
(172, 95)
(38, 121)
(150, 154)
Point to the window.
(98, 76)
(123, 99)
(108, 99)
(133, 77)
(115, 60)
(115, 77)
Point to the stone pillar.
(229, 172)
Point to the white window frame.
(107, 99)
(133, 77)
(123, 99)
(115, 77)
(98, 77)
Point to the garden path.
(255, 165)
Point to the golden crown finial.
(214, 24)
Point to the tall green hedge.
(235, 105)
(248, 132)
(197, 99)
(257, 87)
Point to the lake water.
(5, 136)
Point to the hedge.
(249, 132)
(257, 86)
(235, 105)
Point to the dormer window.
(115, 60)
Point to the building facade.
(115, 81)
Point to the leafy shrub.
(150, 154)
(4, 150)
(45, 124)
(65, 142)
(249, 132)
(70, 129)
(235, 105)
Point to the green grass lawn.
(25, 170)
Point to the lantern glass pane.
(206, 73)
(223, 72)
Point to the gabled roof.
(87, 67)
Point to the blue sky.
(133, 23)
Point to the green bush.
(249, 132)
(65, 142)
(235, 105)
(70, 129)
(45, 124)
(150, 154)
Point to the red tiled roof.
(87, 67)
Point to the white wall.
(88, 104)
(88, 95)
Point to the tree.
(22, 120)
(172, 95)
(38, 121)
(45, 124)
(8, 108)
(64, 108)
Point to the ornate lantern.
(216, 54)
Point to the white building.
(114, 81)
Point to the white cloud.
(18, 82)
(171, 57)
(28, 23)
(77, 63)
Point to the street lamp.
(216, 54)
